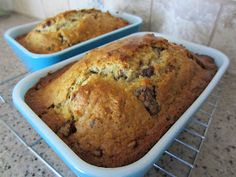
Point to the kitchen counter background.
(218, 154)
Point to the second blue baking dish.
(35, 61)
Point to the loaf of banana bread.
(116, 102)
(69, 28)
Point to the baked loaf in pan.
(116, 102)
(69, 28)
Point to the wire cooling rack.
(180, 158)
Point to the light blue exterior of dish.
(35, 62)
(138, 168)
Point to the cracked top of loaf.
(69, 28)
(116, 102)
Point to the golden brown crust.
(116, 102)
(69, 28)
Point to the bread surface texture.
(117, 101)
(69, 28)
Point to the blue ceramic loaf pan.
(35, 61)
(141, 166)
